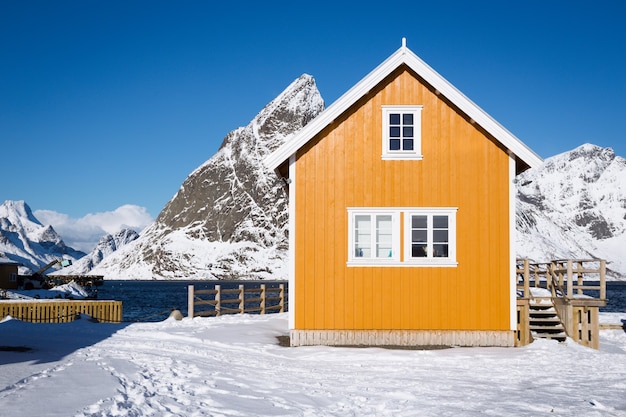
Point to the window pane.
(407, 144)
(407, 118)
(383, 236)
(384, 251)
(418, 250)
(419, 222)
(362, 236)
(440, 236)
(362, 251)
(407, 131)
(394, 132)
(440, 251)
(362, 222)
(440, 222)
(394, 118)
(419, 236)
(394, 144)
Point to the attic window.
(402, 132)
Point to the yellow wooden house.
(402, 215)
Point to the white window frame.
(416, 152)
(430, 259)
(394, 256)
(401, 236)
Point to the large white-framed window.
(374, 236)
(402, 132)
(430, 236)
(399, 236)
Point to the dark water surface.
(154, 300)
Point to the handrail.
(564, 278)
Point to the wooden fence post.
(190, 301)
(282, 298)
(218, 300)
(603, 279)
(262, 302)
(242, 299)
(570, 273)
(579, 277)
(526, 278)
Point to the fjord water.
(154, 300)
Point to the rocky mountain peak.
(19, 214)
(232, 209)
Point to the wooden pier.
(555, 300)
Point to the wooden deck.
(562, 285)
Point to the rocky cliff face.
(25, 240)
(229, 218)
(574, 206)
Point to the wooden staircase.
(544, 320)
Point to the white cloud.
(85, 232)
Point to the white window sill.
(431, 262)
(401, 157)
(406, 264)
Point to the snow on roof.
(404, 56)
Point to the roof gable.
(404, 56)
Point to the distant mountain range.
(25, 240)
(228, 220)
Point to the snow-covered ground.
(234, 366)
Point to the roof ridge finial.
(403, 43)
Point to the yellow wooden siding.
(342, 167)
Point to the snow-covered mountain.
(25, 240)
(105, 247)
(229, 218)
(574, 206)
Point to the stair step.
(541, 307)
(561, 337)
(547, 317)
(545, 320)
(546, 329)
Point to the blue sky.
(105, 104)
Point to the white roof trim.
(403, 56)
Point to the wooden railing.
(262, 300)
(568, 277)
(61, 311)
(564, 278)
(577, 302)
